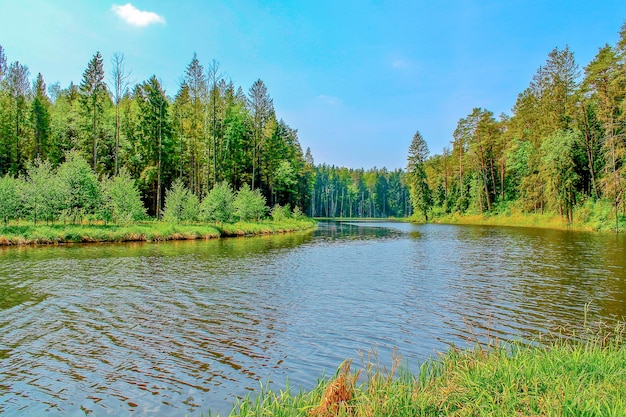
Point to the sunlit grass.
(564, 375)
(586, 218)
(149, 231)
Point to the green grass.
(152, 231)
(590, 216)
(564, 375)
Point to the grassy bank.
(152, 231)
(591, 216)
(574, 375)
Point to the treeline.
(73, 193)
(208, 132)
(563, 147)
(344, 192)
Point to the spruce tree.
(93, 93)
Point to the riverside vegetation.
(559, 160)
(562, 374)
(58, 202)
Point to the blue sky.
(356, 78)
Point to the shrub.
(219, 204)
(180, 204)
(280, 213)
(249, 204)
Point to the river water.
(186, 327)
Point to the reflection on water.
(184, 327)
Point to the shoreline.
(559, 374)
(25, 235)
(515, 219)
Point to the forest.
(561, 150)
(209, 132)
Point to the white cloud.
(330, 100)
(133, 16)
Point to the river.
(186, 327)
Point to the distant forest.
(562, 149)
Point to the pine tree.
(17, 86)
(40, 118)
(156, 137)
(93, 93)
(420, 191)
(262, 110)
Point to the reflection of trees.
(11, 296)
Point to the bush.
(79, 188)
(122, 199)
(180, 204)
(249, 204)
(280, 213)
(219, 204)
(297, 213)
(10, 201)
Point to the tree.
(119, 79)
(93, 93)
(180, 204)
(214, 77)
(262, 110)
(249, 204)
(38, 191)
(40, 118)
(219, 204)
(196, 85)
(18, 88)
(10, 199)
(83, 194)
(3, 63)
(559, 171)
(65, 123)
(420, 191)
(122, 198)
(155, 139)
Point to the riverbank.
(151, 231)
(596, 217)
(572, 375)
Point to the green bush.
(180, 204)
(280, 213)
(219, 204)
(249, 204)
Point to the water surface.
(183, 327)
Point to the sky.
(356, 78)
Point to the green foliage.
(558, 167)
(36, 189)
(10, 199)
(249, 204)
(181, 205)
(210, 132)
(219, 204)
(280, 213)
(122, 199)
(421, 195)
(343, 192)
(79, 187)
(297, 213)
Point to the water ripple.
(184, 327)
